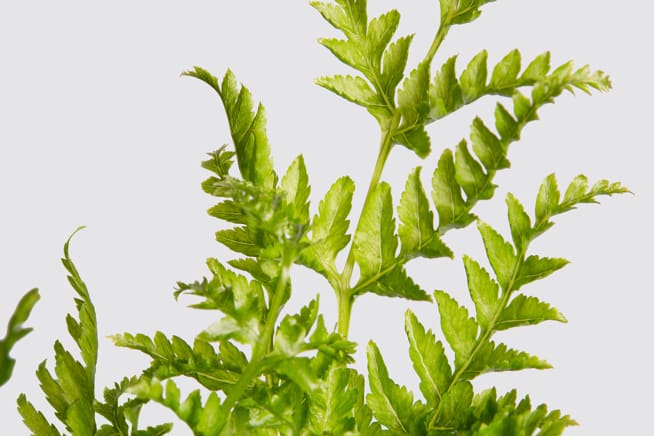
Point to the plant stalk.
(264, 344)
(344, 294)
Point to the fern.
(15, 332)
(263, 370)
(71, 390)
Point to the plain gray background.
(98, 129)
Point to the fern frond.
(15, 332)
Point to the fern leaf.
(34, 420)
(446, 194)
(329, 229)
(295, 184)
(483, 290)
(429, 360)
(536, 268)
(394, 63)
(391, 404)
(450, 415)
(15, 332)
(332, 406)
(506, 71)
(393, 283)
(459, 329)
(524, 310)
(501, 255)
(519, 222)
(498, 358)
(416, 229)
(445, 95)
(247, 126)
(375, 242)
(473, 79)
(488, 147)
(203, 419)
(353, 88)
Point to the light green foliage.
(264, 371)
(392, 404)
(329, 230)
(15, 332)
(499, 306)
(201, 418)
(71, 389)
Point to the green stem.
(345, 295)
(264, 344)
(436, 43)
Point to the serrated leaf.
(34, 420)
(429, 360)
(576, 190)
(454, 408)
(204, 419)
(393, 64)
(87, 340)
(487, 146)
(416, 229)
(334, 15)
(522, 108)
(412, 98)
(500, 254)
(228, 211)
(536, 268)
(519, 222)
(505, 124)
(502, 416)
(54, 394)
(238, 239)
(499, 358)
(295, 184)
(380, 31)
(347, 52)
(293, 330)
(247, 126)
(506, 71)
(445, 92)
(538, 68)
(391, 404)
(331, 408)
(470, 174)
(484, 292)
(459, 329)
(393, 283)
(473, 78)
(547, 201)
(352, 88)
(329, 228)
(524, 310)
(15, 332)
(415, 139)
(446, 195)
(375, 242)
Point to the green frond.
(15, 332)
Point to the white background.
(98, 129)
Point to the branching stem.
(345, 295)
(263, 345)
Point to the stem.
(345, 295)
(264, 344)
(345, 300)
(436, 43)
